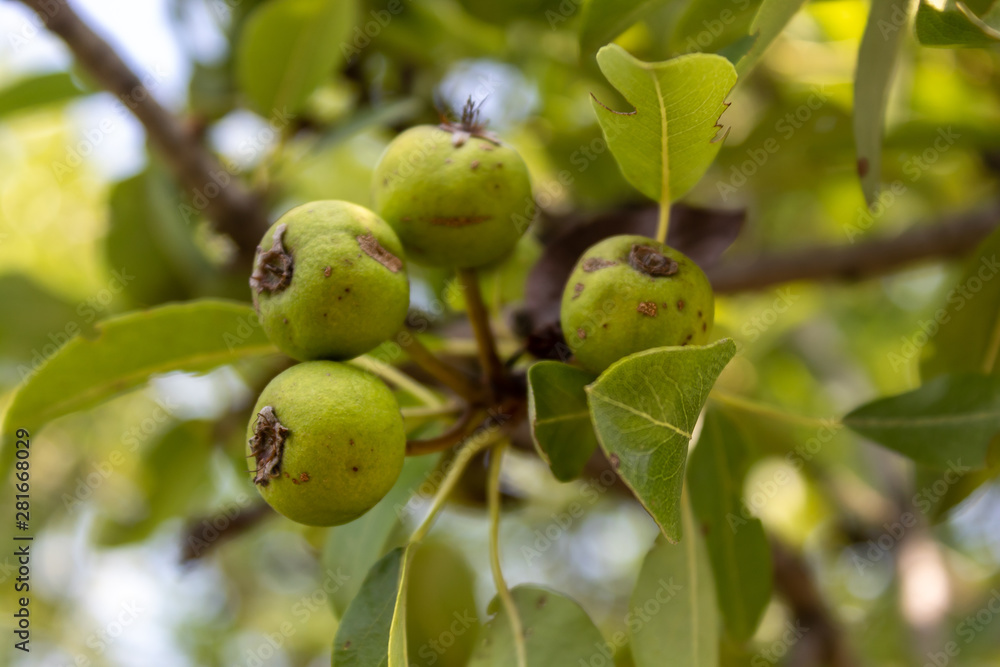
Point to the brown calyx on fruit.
(468, 125)
(651, 261)
(267, 445)
(272, 269)
(371, 247)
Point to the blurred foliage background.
(129, 498)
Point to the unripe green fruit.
(326, 442)
(455, 195)
(631, 293)
(329, 281)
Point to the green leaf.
(557, 631)
(362, 638)
(665, 145)
(644, 408)
(174, 480)
(147, 235)
(125, 351)
(880, 48)
(771, 19)
(956, 25)
(737, 545)
(949, 420)
(38, 91)
(707, 26)
(967, 339)
(353, 548)
(560, 418)
(288, 47)
(603, 20)
(674, 612)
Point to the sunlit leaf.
(288, 47)
(557, 631)
(884, 35)
(644, 409)
(669, 139)
(673, 610)
(737, 545)
(560, 418)
(949, 420)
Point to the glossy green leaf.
(560, 418)
(288, 47)
(38, 91)
(125, 351)
(557, 631)
(955, 25)
(603, 20)
(362, 638)
(771, 19)
(644, 408)
(673, 605)
(667, 142)
(353, 548)
(707, 26)
(966, 329)
(949, 420)
(737, 545)
(881, 43)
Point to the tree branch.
(949, 238)
(234, 209)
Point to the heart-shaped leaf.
(560, 418)
(674, 605)
(287, 48)
(557, 631)
(667, 142)
(949, 420)
(644, 408)
(737, 545)
(880, 47)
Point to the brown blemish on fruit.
(680, 305)
(581, 334)
(577, 290)
(304, 477)
(592, 264)
(688, 339)
(474, 165)
(652, 262)
(499, 165)
(267, 445)
(486, 147)
(699, 314)
(272, 269)
(355, 468)
(457, 220)
(327, 271)
(371, 247)
(647, 308)
(542, 601)
(704, 326)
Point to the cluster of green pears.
(329, 282)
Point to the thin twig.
(444, 373)
(489, 360)
(235, 210)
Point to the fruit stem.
(396, 377)
(489, 360)
(493, 494)
(475, 444)
(663, 226)
(444, 373)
